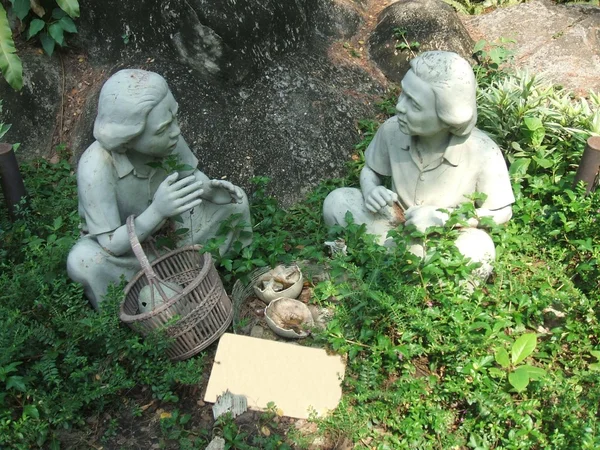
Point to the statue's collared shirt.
(469, 164)
(111, 189)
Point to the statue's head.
(125, 102)
(449, 80)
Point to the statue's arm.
(375, 194)
(500, 216)
(172, 198)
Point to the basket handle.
(138, 251)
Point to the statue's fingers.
(187, 206)
(171, 178)
(218, 183)
(239, 194)
(184, 182)
(372, 205)
(194, 187)
(188, 198)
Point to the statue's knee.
(80, 262)
(338, 202)
(77, 263)
(477, 245)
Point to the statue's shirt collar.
(453, 152)
(124, 167)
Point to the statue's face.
(416, 111)
(161, 133)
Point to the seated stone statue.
(435, 157)
(124, 172)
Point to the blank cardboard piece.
(297, 379)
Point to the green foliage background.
(430, 365)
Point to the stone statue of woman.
(435, 157)
(123, 173)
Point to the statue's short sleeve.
(377, 155)
(494, 180)
(96, 185)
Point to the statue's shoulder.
(94, 161)
(391, 125)
(481, 142)
(390, 132)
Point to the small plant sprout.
(403, 43)
(519, 375)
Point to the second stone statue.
(435, 157)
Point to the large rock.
(336, 18)
(560, 42)
(296, 123)
(218, 37)
(258, 92)
(35, 110)
(431, 23)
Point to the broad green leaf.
(595, 367)
(519, 167)
(58, 221)
(533, 123)
(535, 373)
(71, 7)
(47, 43)
(595, 354)
(10, 63)
(523, 347)
(58, 13)
(479, 45)
(495, 372)
(15, 383)
(519, 379)
(543, 162)
(31, 411)
(4, 129)
(21, 8)
(502, 357)
(67, 24)
(56, 31)
(35, 26)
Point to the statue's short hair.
(454, 86)
(125, 101)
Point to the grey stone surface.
(431, 23)
(258, 91)
(228, 38)
(336, 18)
(33, 111)
(560, 42)
(294, 122)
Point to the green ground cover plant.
(512, 365)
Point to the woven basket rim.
(128, 318)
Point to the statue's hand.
(424, 217)
(378, 197)
(175, 197)
(223, 192)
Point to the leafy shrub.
(49, 24)
(60, 360)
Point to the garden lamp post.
(10, 179)
(589, 166)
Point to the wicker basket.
(203, 309)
